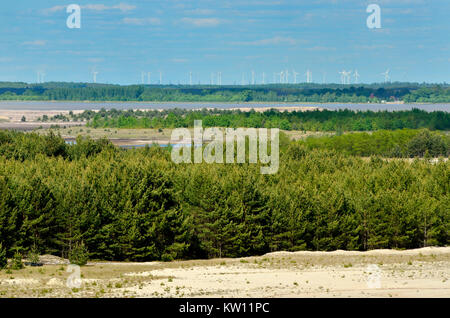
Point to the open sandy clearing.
(382, 273)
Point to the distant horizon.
(235, 85)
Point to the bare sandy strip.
(411, 273)
(32, 115)
(318, 279)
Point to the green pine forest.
(138, 205)
(308, 93)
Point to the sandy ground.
(124, 137)
(144, 136)
(32, 115)
(382, 273)
(32, 126)
(11, 119)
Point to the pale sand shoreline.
(411, 273)
(319, 277)
(33, 115)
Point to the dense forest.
(404, 143)
(139, 205)
(325, 120)
(311, 93)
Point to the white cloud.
(95, 59)
(95, 7)
(200, 11)
(5, 59)
(178, 60)
(124, 7)
(202, 22)
(143, 21)
(374, 47)
(272, 41)
(321, 48)
(54, 9)
(259, 3)
(35, 43)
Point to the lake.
(47, 106)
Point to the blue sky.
(120, 39)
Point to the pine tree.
(3, 259)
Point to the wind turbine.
(160, 78)
(287, 77)
(345, 77)
(308, 76)
(40, 77)
(281, 77)
(263, 78)
(149, 77)
(356, 75)
(386, 76)
(253, 77)
(219, 78)
(342, 77)
(94, 74)
(295, 76)
(142, 77)
(348, 76)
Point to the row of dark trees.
(139, 205)
(327, 93)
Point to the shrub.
(3, 259)
(33, 255)
(79, 255)
(428, 144)
(166, 257)
(17, 261)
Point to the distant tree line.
(138, 205)
(312, 93)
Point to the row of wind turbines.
(283, 76)
(347, 75)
